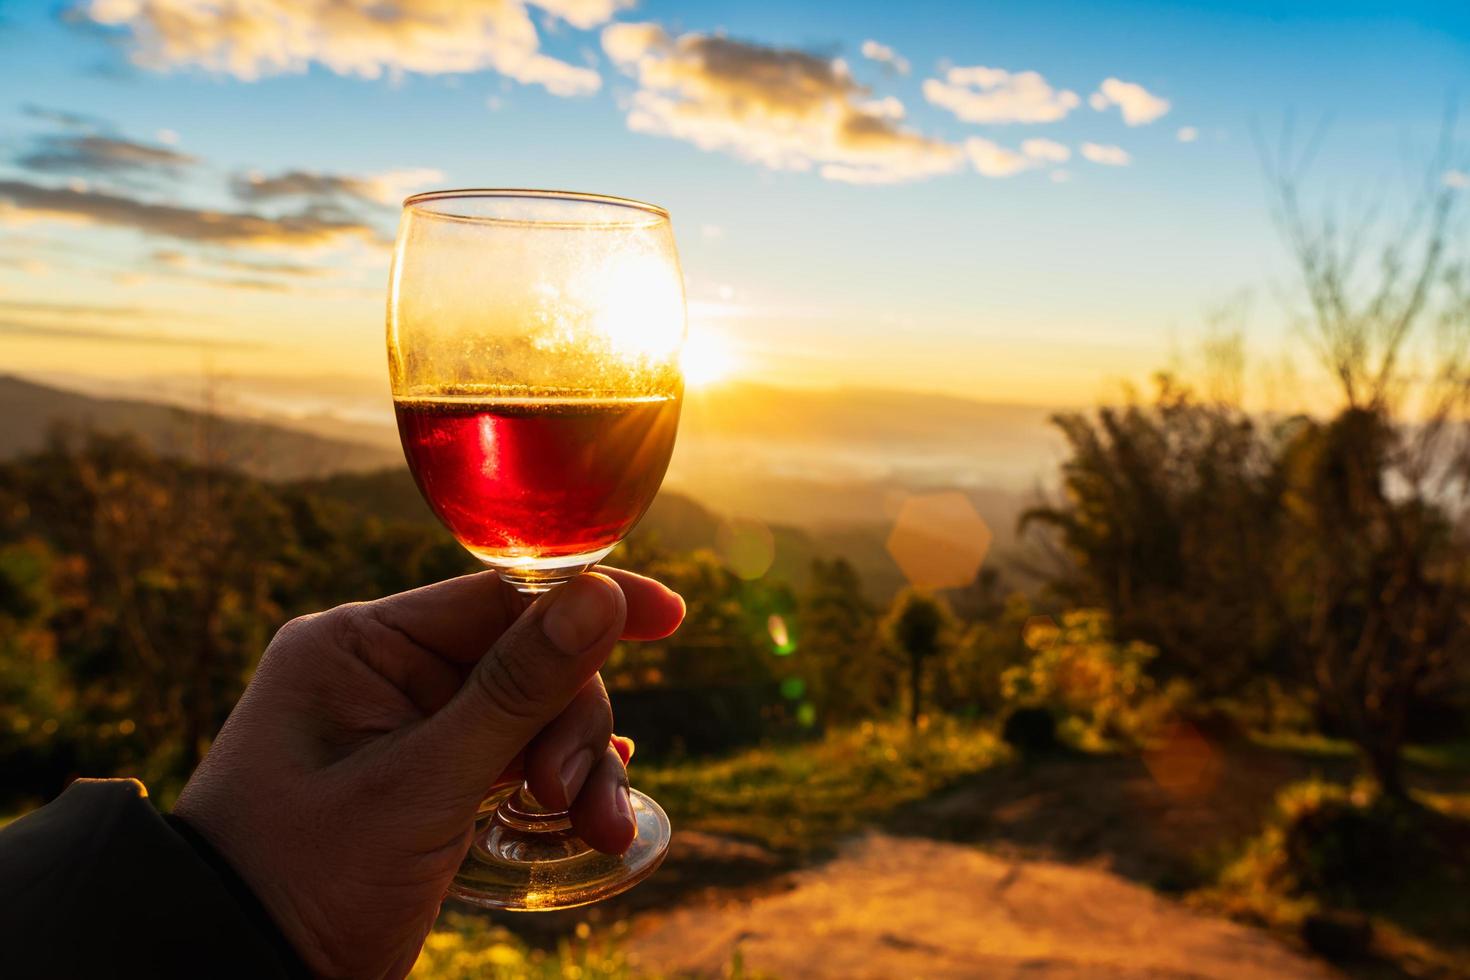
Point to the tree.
(1375, 561)
(837, 653)
(919, 628)
(1169, 514)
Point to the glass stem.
(523, 812)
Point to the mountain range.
(824, 471)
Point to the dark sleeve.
(99, 884)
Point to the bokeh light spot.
(806, 714)
(782, 643)
(746, 546)
(939, 541)
(1183, 762)
(793, 688)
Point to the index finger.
(654, 609)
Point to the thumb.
(529, 676)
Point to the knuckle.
(352, 628)
(597, 718)
(294, 630)
(511, 685)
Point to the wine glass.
(533, 348)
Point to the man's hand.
(344, 786)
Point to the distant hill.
(825, 470)
(32, 411)
(675, 521)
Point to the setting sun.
(708, 357)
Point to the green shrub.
(1099, 689)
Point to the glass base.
(532, 576)
(526, 859)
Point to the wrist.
(260, 894)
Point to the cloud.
(30, 266)
(177, 260)
(993, 160)
(1456, 179)
(250, 39)
(1111, 156)
(103, 156)
(37, 306)
(994, 95)
(1139, 106)
(585, 14)
(63, 118)
(91, 333)
(782, 108)
(885, 55)
(385, 188)
(22, 201)
(1048, 151)
(1187, 134)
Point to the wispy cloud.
(993, 160)
(253, 38)
(884, 55)
(1108, 155)
(1138, 105)
(177, 261)
(1187, 134)
(386, 188)
(64, 118)
(1046, 151)
(47, 307)
(103, 156)
(22, 201)
(783, 108)
(993, 95)
(22, 328)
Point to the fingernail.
(581, 612)
(574, 773)
(625, 806)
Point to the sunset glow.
(708, 358)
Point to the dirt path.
(890, 907)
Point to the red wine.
(538, 477)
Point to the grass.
(468, 947)
(799, 799)
(1330, 848)
(793, 799)
(1445, 757)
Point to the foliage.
(919, 628)
(991, 641)
(1330, 848)
(467, 947)
(1299, 559)
(1374, 583)
(847, 779)
(137, 591)
(1098, 688)
(1170, 514)
(836, 651)
(725, 638)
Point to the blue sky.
(1017, 287)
